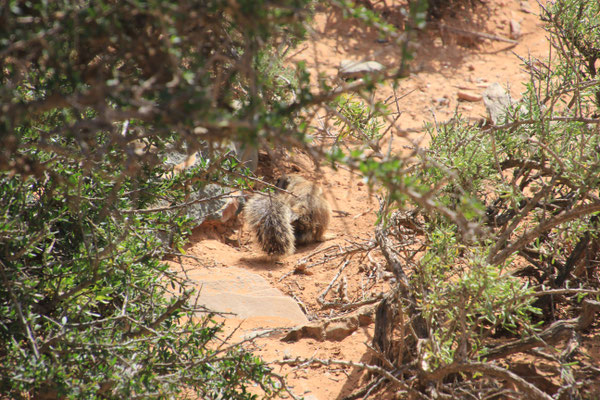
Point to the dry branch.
(367, 367)
(542, 227)
(556, 332)
(532, 392)
(321, 298)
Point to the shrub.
(93, 93)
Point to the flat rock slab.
(245, 294)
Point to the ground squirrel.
(282, 220)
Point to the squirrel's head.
(283, 182)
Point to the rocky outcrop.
(335, 329)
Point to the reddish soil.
(444, 64)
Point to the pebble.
(525, 7)
(468, 96)
(287, 354)
(442, 101)
(310, 397)
(515, 29)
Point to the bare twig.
(542, 227)
(556, 332)
(371, 368)
(321, 298)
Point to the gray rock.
(246, 295)
(199, 210)
(357, 69)
(497, 102)
(218, 209)
(215, 209)
(442, 101)
(245, 153)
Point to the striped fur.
(282, 220)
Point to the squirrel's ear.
(283, 182)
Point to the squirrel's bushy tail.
(270, 220)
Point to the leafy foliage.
(94, 94)
(575, 26)
(357, 119)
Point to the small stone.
(470, 67)
(468, 96)
(387, 275)
(287, 354)
(515, 29)
(442, 101)
(357, 69)
(310, 397)
(525, 7)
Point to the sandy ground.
(444, 64)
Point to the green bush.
(93, 94)
(357, 119)
(499, 250)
